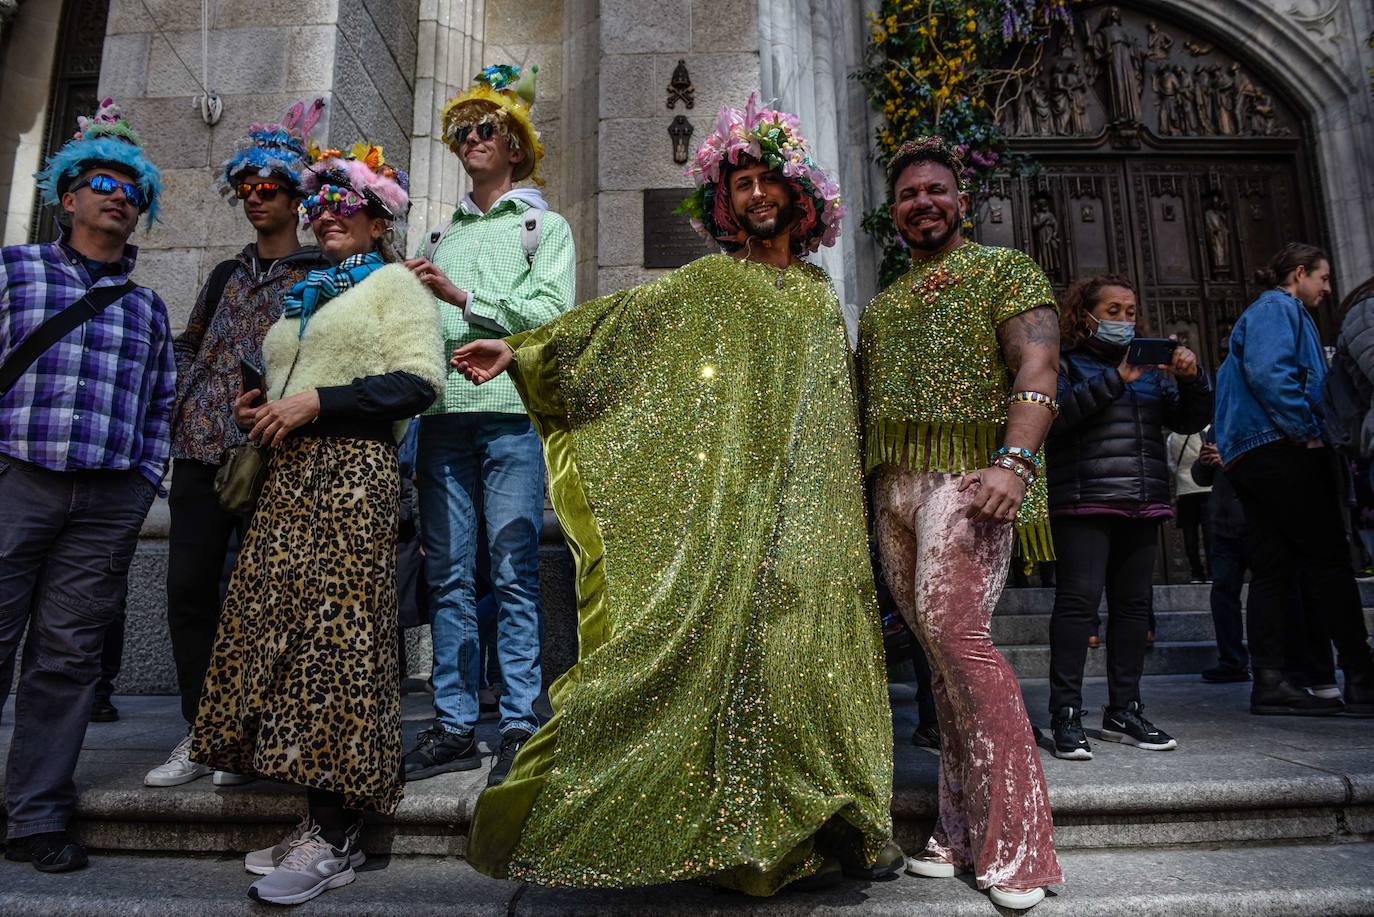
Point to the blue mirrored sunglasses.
(104, 184)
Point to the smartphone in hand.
(1151, 351)
(252, 379)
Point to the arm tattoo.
(1033, 330)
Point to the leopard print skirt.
(302, 685)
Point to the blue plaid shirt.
(101, 397)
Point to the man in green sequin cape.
(727, 717)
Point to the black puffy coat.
(1107, 444)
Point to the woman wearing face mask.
(302, 685)
(1109, 492)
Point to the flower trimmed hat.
(504, 94)
(273, 149)
(361, 178)
(105, 139)
(773, 138)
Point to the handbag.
(243, 470)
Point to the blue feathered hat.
(103, 139)
(273, 149)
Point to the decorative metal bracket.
(681, 133)
(680, 88)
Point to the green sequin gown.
(730, 695)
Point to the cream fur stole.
(388, 323)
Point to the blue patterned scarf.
(319, 287)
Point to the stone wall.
(29, 47)
(578, 188)
(641, 42)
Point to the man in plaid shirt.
(84, 441)
(504, 264)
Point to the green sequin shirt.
(935, 385)
(730, 693)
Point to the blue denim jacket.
(1269, 387)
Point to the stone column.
(30, 46)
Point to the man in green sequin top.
(959, 361)
(727, 718)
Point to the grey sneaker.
(262, 862)
(178, 769)
(310, 868)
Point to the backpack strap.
(436, 235)
(215, 284)
(529, 232)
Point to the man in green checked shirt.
(503, 265)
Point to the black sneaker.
(440, 752)
(1274, 695)
(53, 851)
(1128, 726)
(511, 743)
(1359, 695)
(927, 735)
(1224, 674)
(102, 711)
(1070, 742)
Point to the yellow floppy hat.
(503, 90)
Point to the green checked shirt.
(483, 255)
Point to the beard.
(935, 238)
(772, 227)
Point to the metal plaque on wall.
(669, 240)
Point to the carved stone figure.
(1188, 100)
(1023, 123)
(1218, 235)
(1262, 120)
(1224, 88)
(1040, 109)
(1078, 100)
(1045, 226)
(1158, 43)
(1202, 93)
(1115, 47)
(1061, 104)
(1166, 87)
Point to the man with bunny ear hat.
(727, 718)
(238, 303)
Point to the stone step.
(1182, 597)
(1165, 658)
(1170, 626)
(1291, 880)
(1235, 778)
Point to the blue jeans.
(492, 465)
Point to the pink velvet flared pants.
(946, 574)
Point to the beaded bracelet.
(1016, 468)
(1035, 398)
(1017, 452)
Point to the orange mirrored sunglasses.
(266, 190)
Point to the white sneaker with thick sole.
(928, 868)
(178, 769)
(262, 862)
(1015, 899)
(310, 868)
(229, 778)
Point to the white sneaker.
(929, 868)
(310, 868)
(1326, 692)
(229, 778)
(178, 769)
(1015, 899)
(262, 862)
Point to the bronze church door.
(1162, 156)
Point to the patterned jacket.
(216, 339)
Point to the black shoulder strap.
(56, 328)
(214, 286)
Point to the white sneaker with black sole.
(1128, 726)
(178, 768)
(262, 862)
(310, 868)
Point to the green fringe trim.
(954, 448)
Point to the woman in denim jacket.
(1269, 432)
